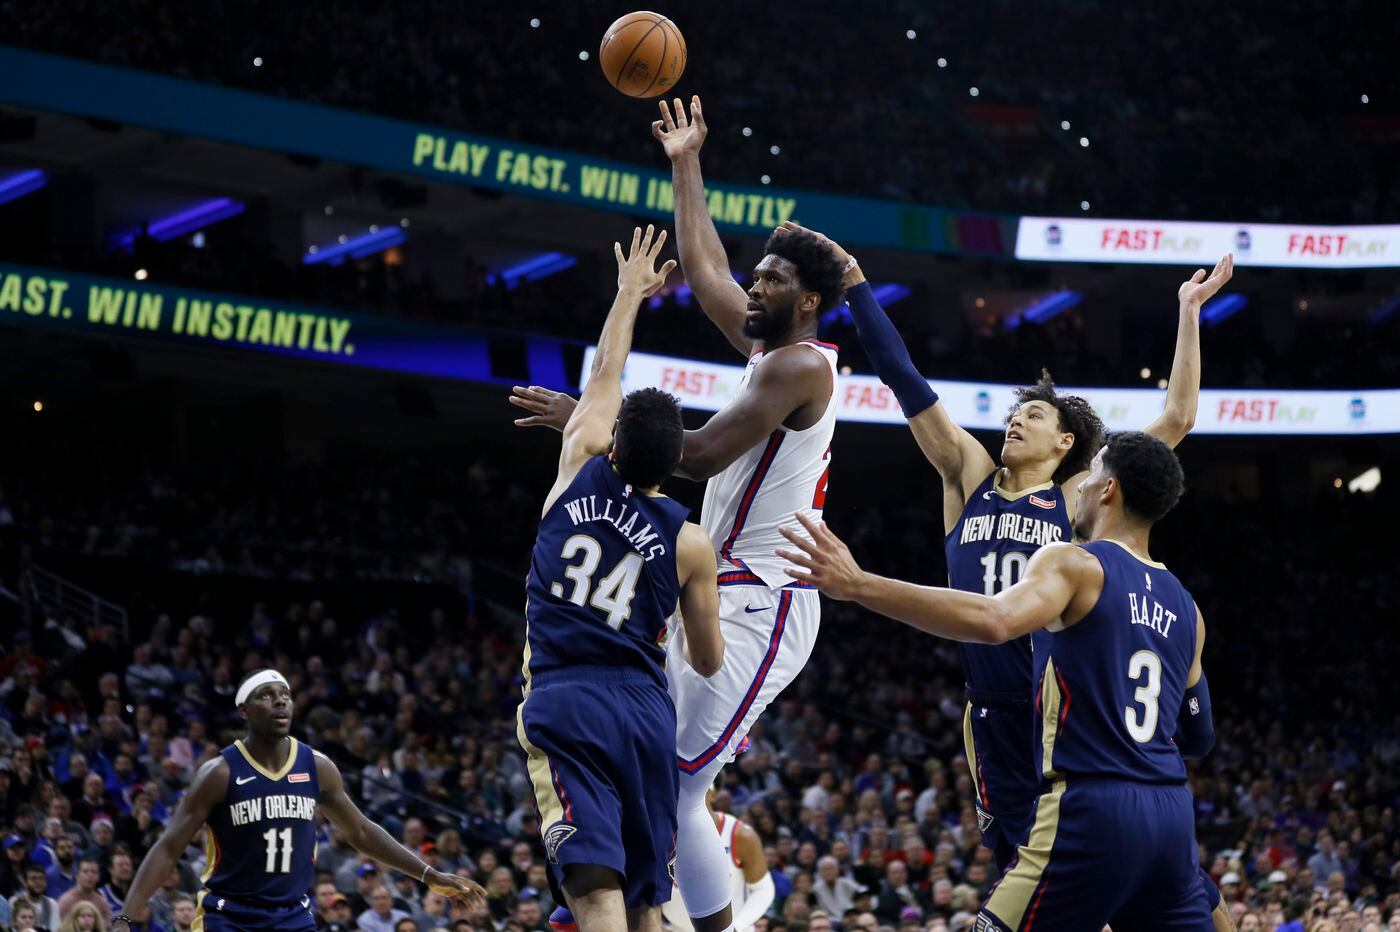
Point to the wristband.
(424, 878)
(126, 919)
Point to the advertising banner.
(706, 386)
(1277, 245)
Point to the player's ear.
(809, 302)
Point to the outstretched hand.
(680, 136)
(1199, 289)
(460, 891)
(828, 562)
(637, 270)
(547, 408)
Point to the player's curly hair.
(1077, 417)
(1147, 471)
(649, 436)
(817, 268)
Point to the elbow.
(695, 464)
(709, 663)
(1177, 423)
(996, 626)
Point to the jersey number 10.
(1013, 564)
(614, 592)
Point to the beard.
(773, 322)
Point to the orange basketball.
(643, 54)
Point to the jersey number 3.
(614, 592)
(1143, 727)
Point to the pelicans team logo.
(556, 835)
(984, 818)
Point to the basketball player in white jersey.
(751, 889)
(765, 455)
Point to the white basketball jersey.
(739, 890)
(760, 491)
(674, 911)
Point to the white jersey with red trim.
(728, 833)
(674, 911)
(760, 491)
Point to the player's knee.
(582, 881)
(693, 787)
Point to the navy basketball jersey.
(987, 552)
(602, 580)
(1110, 686)
(261, 843)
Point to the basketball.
(643, 54)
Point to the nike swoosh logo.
(242, 780)
(750, 609)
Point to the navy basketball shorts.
(601, 750)
(214, 913)
(1104, 852)
(1000, 743)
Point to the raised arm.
(786, 381)
(961, 461)
(703, 260)
(589, 430)
(699, 604)
(371, 839)
(207, 791)
(1184, 384)
(1059, 580)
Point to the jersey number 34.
(613, 593)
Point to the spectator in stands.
(24, 917)
(85, 917)
(336, 917)
(61, 874)
(182, 913)
(34, 893)
(12, 868)
(85, 891)
(381, 915)
(120, 870)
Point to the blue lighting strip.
(186, 221)
(889, 293)
(1222, 308)
(886, 294)
(533, 269)
(356, 247)
(1385, 311)
(16, 186)
(1050, 306)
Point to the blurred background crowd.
(175, 515)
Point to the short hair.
(649, 437)
(181, 898)
(1147, 471)
(33, 867)
(1077, 417)
(817, 268)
